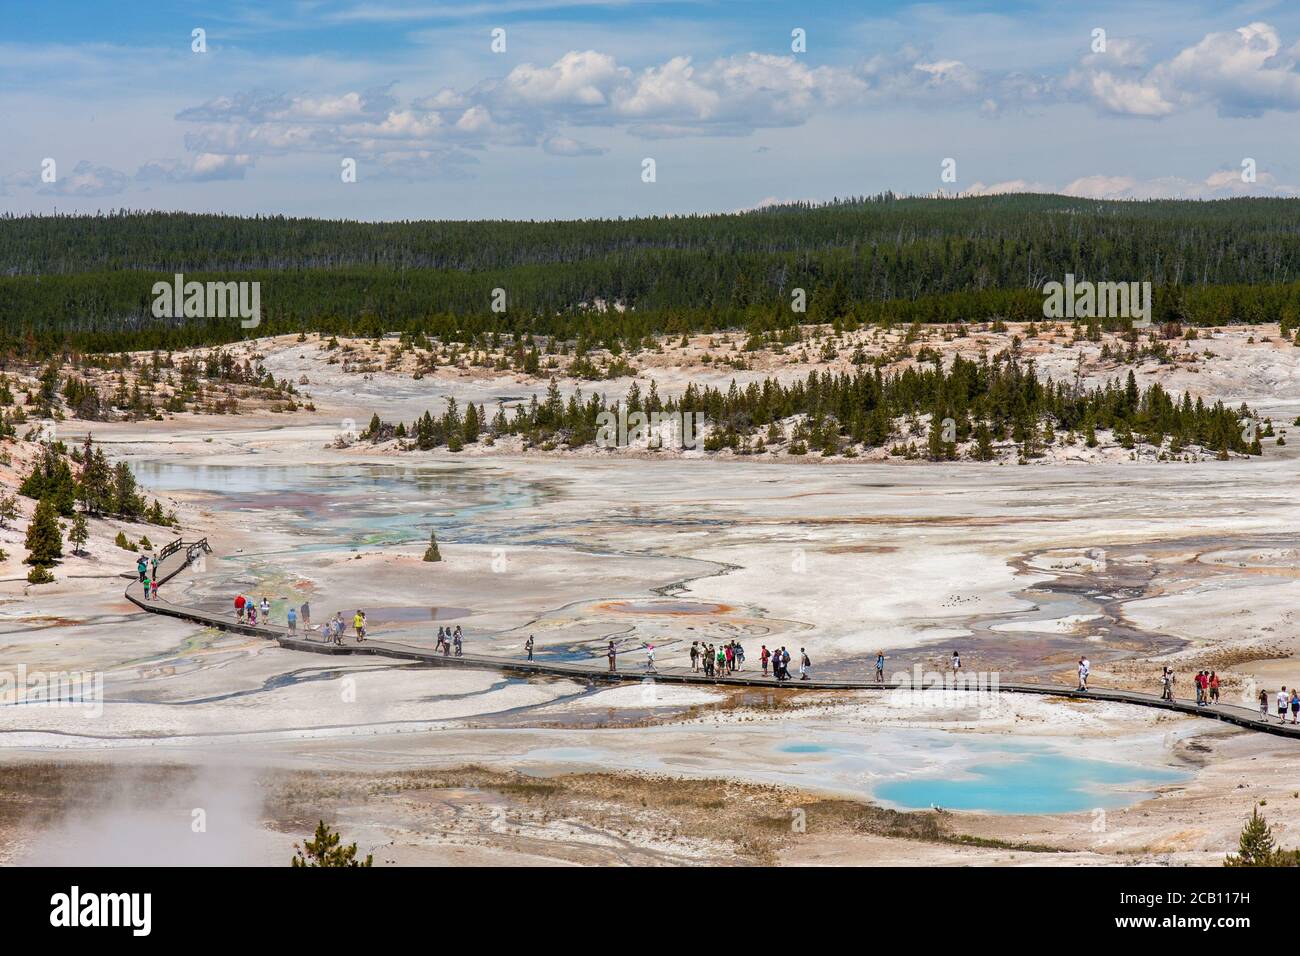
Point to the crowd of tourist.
(709, 659)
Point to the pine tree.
(983, 442)
(325, 850)
(8, 510)
(51, 478)
(934, 440)
(126, 499)
(79, 533)
(94, 485)
(44, 542)
(1256, 846)
(431, 553)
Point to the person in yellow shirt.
(359, 623)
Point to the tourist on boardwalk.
(650, 657)
(1084, 669)
(145, 586)
(1167, 683)
(1283, 698)
(729, 653)
(455, 637)
(720, 661)
(706, 656)
(695, 656)
(239, 605)
(764, 656)
(1295, 703)
(153, 568)
(528, 646)
(266, 610)
(459, 642)
(1197, 681)
(611, 654)
(781, 664)
(1214, 687)
(880, 667)
(304, 612)
(291, 618)
(141, 568)
(252, 614)
(956, 663)
(359, 625)
(740, 657)
(441, 638)
(804, 664)
(1263, 705)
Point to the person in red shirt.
(239, 607)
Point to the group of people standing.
(1286, 700)
(1207, 687)
(147, 569)
(447, 638)
(247, 611)
(251, 612)
(728, 658)
(780, 661)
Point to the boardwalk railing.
(598, 671)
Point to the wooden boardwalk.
(598, 671)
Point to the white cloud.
(198, 168)
(1241, 72)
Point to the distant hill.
(86, 281)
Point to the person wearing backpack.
(804, 664)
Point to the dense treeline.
(992, 400)
(85, 282)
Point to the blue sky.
(1021, 96)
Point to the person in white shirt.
(1084, 669)
(1282, 699)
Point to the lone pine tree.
(431, 553)
(44, 542)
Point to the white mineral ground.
(1135, 563)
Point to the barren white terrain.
(1133, 561)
